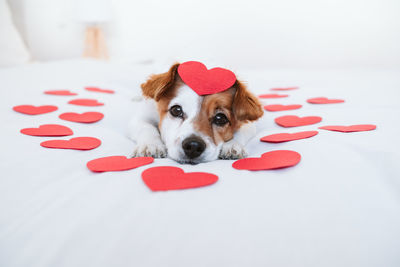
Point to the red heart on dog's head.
(272, 96)
(324, 100)
(99, 90)
(117, 163)
(48, 130)
(85, 102)
(281, 107)
(285, 137)
(293, 121)
(269, 161)
(86, 117)
(173, 178)
(78, 143)
(351, 128)
(205, 82)
(59, 92)
(32, 110)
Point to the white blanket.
(340, 206)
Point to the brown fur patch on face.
(211, 106)
(163, 103)
(237, 104)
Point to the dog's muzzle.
(193, 147)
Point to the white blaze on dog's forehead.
(188, 100)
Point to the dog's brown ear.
(158, 84)
(246, 106)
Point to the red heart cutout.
(86, 117)
(272, 96)
(285, 137)
(48, 130)
(293, 121)
(173, 178)
(349, 129)
(268, 161)
(78, 143)
(117, 163)
(281, 107)
(85, 102)
(324, 100)
(99, 90)
(32, 110)
(284, 88)
(59, 92)
(203, 81)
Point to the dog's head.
(194, 127)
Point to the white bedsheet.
(340, 206)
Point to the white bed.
(340, 206)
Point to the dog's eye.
(220, 119)
(176, 111)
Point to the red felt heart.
(60, 92)
(281, 107)
(78, 143)
(203, 81)
(285, 137)
(48, 130)
(293, 121)
(99, 90)
(272, 96)
(324, 100)
(173, 178)
(86, 117)
(85, 102)
(284, 88)
(268, 161)
(32, 110)
(117, 163)
(351, 128)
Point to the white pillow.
(12, 48)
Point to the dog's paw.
(155, 150)
(232, 150)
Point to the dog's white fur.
(150, 141)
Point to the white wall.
(270, 33)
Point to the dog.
(174, 121)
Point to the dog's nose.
(193, 147)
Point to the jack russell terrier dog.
(176, 121)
